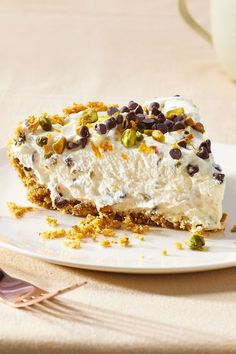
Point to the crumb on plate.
(18, 210)
(50, 221)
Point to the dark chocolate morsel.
(132, 105)
(60, 202)
(84, 132)
(192, 169)
(178, 126)
(110, 123)
(138, 109)
(219, 177)
(175, 153)
(203, 153)
(124, 109)
(207, 145)
(101, 128)
(112, 110)
(131, 116)
(119, 119)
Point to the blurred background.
(56, 52)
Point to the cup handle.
(192, 23)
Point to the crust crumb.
(105, 243)
(61, 232)
(50, 221)
(124, 241)
(17, 210)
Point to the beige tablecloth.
(57, 52)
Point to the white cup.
(223, 28)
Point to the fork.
(19, 293)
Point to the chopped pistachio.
(196, 242)
(139, 136)
(199, 127)
(88, 116)
(148, 132)
(45, 123)
(189, 121)
(59, 146)
(128, 138)
(174, 112)
(41, 140)
(158, 136)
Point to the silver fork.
(19, 293)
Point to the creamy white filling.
(144, 181)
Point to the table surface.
(57, 52)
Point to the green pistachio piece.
(45, 124)
(88, 116)
(196, 242)
(158, 136)
(148, 132)
(41, 140)
(59, 146)
(174, 112)
(139, 136)
(128, 138)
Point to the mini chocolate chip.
(60, 202)
(101, 128)
(124, 109)
(203, 153)
(192, 169)
(217, 167)
(141, 117)
(178, 126)
(84, 132)
(71, 145)
(131, 116)
(126, 124)
(207, 145)
(175, 153)
(119, 119)
(149, 121)
(110, 123)
(82, 142)
(141, 127)
(219, 177)
(161, 126)
(155, 111)
(132, 105)
(179, 118)
(27, 169)
(153, 105)
(112, 110)
(182, 143)
(69, 162)
(138, 109)
(169, 123)
(161, 118)
(1, 274)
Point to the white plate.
(22, 235)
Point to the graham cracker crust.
(40, 195)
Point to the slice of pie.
(151, 162)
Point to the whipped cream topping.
(128, 178)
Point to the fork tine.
(40, 295)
